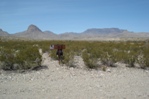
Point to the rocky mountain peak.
(33, 28)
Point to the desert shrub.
(130, 61)
(29, 58)
(53, 54)
(90, 62)
(146, 55)
(25, 55)
(131, 54)
(19, 55)
(143, 58)
(7, 58)
(68, 59)
(109, 52)
(107, 59)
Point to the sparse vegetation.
(25, 55)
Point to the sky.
(61, 16)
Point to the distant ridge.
(33, 32)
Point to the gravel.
(61, 82)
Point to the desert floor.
(61, 82)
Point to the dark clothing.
(59, 52)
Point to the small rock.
(108, 70)
(101, 74)
(43, 90)
(57, 68)
(10, 77)
(89, 87)
(71, 68)
(97, 86)
(31, 79)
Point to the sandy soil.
(60, 82)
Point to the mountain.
(32, 29)
(50, 34)
(33, 32)
(3, 33)
(104, 31)
(69, 35)
(110, 32)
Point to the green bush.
(90, 62)
(143, 58)
(19, 55)
(29, 58)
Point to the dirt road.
(60, 82)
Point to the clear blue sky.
(61, 16)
